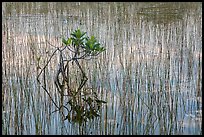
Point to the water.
(150, 74)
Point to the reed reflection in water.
(150, 74)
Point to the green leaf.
(91, 46)
(97, 47)
(93, 39)
(69, 41)
(64, 41)
(78, 37)
(78, 34)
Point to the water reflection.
(150, 74)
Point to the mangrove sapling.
(80, 107)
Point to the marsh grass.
(150, 74)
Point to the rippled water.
(150, 74)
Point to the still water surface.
(150, 73)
